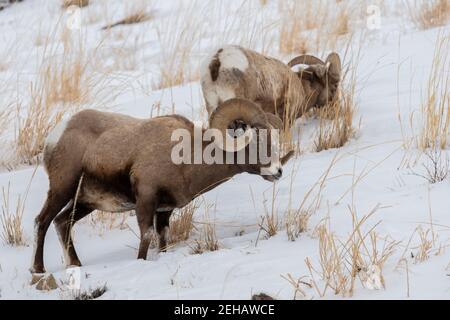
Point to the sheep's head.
(324, 77)
(253, 137)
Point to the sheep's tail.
(214, 66)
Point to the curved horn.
(305, 59)
(287, 157)
(231, 111)
(335, 66)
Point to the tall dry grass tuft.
(426, 245)
(336, 119)
(66, 81)
(137, 13)
(359, 256)
(270, 222)
(297, 220)
(436, 107)
(427, 14)
(11, 220)
(11, 216)
(207, 240)
(60, 88)
(181, 223)
(296, 18)
(177, 37)
(313, 26)
(342, 21)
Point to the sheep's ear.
(334, 66)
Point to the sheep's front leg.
(145, 211)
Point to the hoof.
(44, 282)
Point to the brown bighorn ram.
(119, 163)
(236, 72)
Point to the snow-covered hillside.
(376, 173)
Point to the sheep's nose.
(279, 174)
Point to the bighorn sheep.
(115, 163)
(236, 72)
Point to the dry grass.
(342, 22)
(297, 284)
(336, 119)
(336, 126)
(297, 17)
(11, 217)
(11, 220)
(207, 240)
(66, 81)
(177, 38)
(436, 107)
(181, 223)
(341, 263)
(426, 245)
(108, 220)
(313, 26)
(78, 3)
(297, 220)
(60, 88)
(336, 122)
(270, 223)
(426, 240)
(136, 14)
(427, 14)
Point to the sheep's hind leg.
(53, 205)
(145, 212)
(64, 223)
(162, 227)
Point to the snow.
(395, 62)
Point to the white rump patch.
(233, 58)
(216, 92)
(56, 133)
